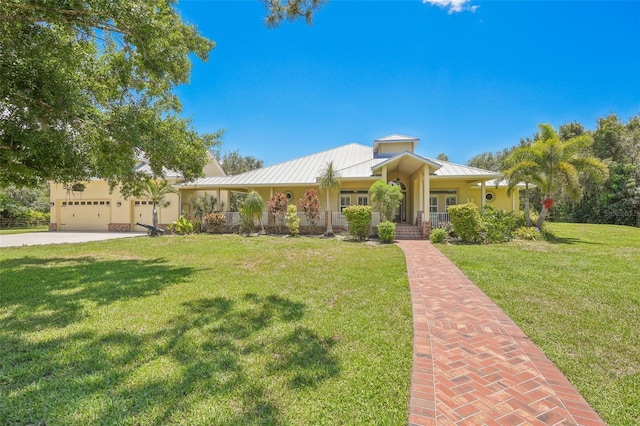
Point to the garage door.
(87, 215)
(143, 212)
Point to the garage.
(142, 211)
(85, 215)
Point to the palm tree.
(329, 179)
(253, 206)
(554, 165)
(157, 191)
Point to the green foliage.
(233, 163)
(309, 204)
(202, 207)
(466, 221)
(448, 228)
(498, 225)
(527, 233)
(251, 210)
(157, 191)
(279, 10)
(277, 206)
(103, 95)
(385, 198)
(182, 226)
(247, 221)
(359, 221)
(293, 221)
(555, 165)
(30, 205)
(386, 231)
(214, 222)
(438, 236)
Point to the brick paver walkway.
(471, 364)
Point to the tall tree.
(87, 86)
(329, 180)
(554, 165)
(233, 163)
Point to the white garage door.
(86, 215)
(143, 213)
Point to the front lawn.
(578, 298)
(204, 330)
(38, 228)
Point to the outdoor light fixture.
(119, 203)
(52, 204)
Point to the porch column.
(384, 174)
(426, 191)
(484, 193)
(217, 196)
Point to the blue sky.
(465, 78)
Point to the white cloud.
(453, 5)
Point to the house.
(429, 185)
(91, 206)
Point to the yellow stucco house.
(90, 206)
(429, 186)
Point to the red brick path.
(471, 364)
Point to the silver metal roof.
(352, 161)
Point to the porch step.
(405, 231)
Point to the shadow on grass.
(52, 292)
(198, 368)
(554, 239)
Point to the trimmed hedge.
(386, 231)
(358, 221)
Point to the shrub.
(498, 225)
(448, 228)
(293, 221)
(385, 198)
(386, 231)
(181, 226)
(438, 236)
(215, 222)
(277, 206)
(466, 221)
(359, 221)
(527, 233)
(247, 221)
(310, 207)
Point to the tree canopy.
(86, 88)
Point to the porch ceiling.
(407, 163)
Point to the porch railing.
(337, 219)
(437, 218)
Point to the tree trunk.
(527, 207)
(329, 227)
(154, 215)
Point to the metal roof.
(352, 161)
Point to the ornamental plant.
(466, 221)
(278, 208)
(182, 226)
(385, 198)
(358, 221)
(293, 221)
(309, 205)
(438, 236)
(386, 231)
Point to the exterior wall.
(96, 209)
(395, 147)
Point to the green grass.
(39, 228)
(204, 330)
(578, 298)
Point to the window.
(345, 201)
(363, 200)
(488, 196)
(451, 200)
(433, 204)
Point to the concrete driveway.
(40, 238)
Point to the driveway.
(40, 238)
